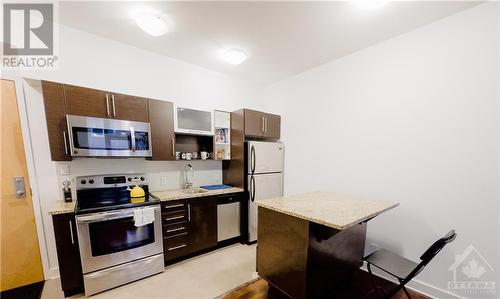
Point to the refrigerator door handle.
(252, 188)
(252, 159)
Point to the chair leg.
(406, 291)
(374, 284)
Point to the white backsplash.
(206, 172)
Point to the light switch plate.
(163, 180)
(64, 169)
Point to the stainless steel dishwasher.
(228, 216)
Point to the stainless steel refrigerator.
(264, 177)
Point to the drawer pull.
(175, 229)
(177, 247)
(175, 236)
(174, 206)
(174, 218)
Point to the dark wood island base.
(304, 259)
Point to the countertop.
(62, 207)
(338, 211)
(168, 195)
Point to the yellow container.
(137, 195)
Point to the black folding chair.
(401, 268)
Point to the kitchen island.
(310, 243)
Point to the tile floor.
(205, 276)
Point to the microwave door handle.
(132, 138)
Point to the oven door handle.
(107, 216)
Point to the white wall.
(414, 119)
(96, 62)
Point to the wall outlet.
(163, 180)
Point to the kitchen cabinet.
(68, 253)
(189, 226)
(161, 119)
(272, 126)
(128, 107)
(203, 223)
(55, 114)
(87, 101)
(261, 125)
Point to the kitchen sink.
(194, 191)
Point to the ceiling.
(280, 38)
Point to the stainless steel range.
(119, 241)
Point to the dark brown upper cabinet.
(261, 125)
(55, 113)
(272, 126)
(128, 107)
(87, 101)
(161, 119)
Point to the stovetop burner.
(104, 193)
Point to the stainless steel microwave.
(103, 137)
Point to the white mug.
(204, 155)
(188, 156)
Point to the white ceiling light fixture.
(152, 23)
(370, 4)
(234, 56)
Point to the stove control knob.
(83, 182)
(91, 181)
(129, 179)
(142, 178)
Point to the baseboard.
(419, 286)
(53, 273)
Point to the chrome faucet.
(189, 174)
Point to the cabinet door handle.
(65, 142)
(263, 125)
(177, 247)
(173, 147)
(189, 212)
(71, 232)
(113, 102)
(107, 105)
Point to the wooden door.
(161, 118)
(19, 251)
(68, 253)
(55, 114)
(129, 107)
(254, 123)
(87, 101)
(272, 126)
(203, 223)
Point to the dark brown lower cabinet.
(68, 253)
(189, 226)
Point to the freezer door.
(261, 186)
(265, 157)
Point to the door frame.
(30, 163)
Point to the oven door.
(97, 137)
(111, 238)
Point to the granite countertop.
(335, 210)
(168, 195)
(62, 207)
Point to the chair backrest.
(430, 253)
